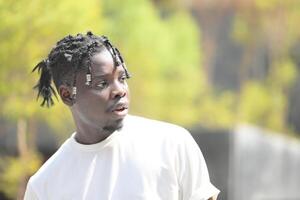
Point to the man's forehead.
(102, 58)
(103, 64)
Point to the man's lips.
(119, 107)
(120, 110)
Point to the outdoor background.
(203, 64)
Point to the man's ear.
(66, 95)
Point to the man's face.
(105, 102)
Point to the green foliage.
(283, 75)
(217, 111)
(272, 23)
(162, 54)
(267, 110)
(12, 169)
(241, 31)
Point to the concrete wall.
(248, 163)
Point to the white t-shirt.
(145, 160)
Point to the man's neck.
(88, 136)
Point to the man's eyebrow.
(100, 75)
(121, 72)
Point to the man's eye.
(101, 84)
(123, 78)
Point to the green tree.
(164, 56)
(273, 23)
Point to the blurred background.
(228, 70)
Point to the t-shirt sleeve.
(29, 193)
(192, 171)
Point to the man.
(112, 155)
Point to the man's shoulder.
(159, 135)
(51, 166)
(155, 126)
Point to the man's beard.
(116, 125)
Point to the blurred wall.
(249, 164)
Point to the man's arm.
(29, 193)
(213, 198)
(192, 171)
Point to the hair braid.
(71, 55)
(44, 84)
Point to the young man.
(111, 155)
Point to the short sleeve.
(192, 171)
(29, 193)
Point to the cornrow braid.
(118, 60)
(71, 55)
(44, 84)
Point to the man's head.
(90, 77)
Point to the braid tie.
(44, 84)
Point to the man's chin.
(115, 125)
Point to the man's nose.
(118, 90)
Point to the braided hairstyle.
(71, 55)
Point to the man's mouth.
(120, 109)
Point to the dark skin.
(99, 109)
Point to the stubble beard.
(115, 126)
